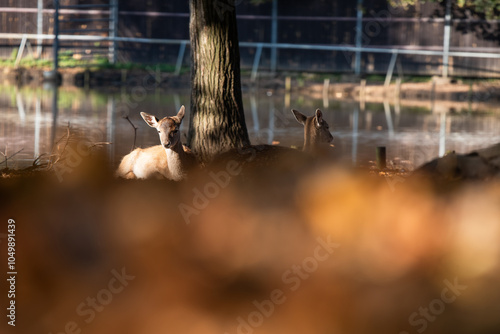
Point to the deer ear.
(319, 118)
(151, 120)
(181, 113)
(301, 118)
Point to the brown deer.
(316, 131)
(170, 160)
(258, 158)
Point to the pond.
(29, 124)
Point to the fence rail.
(352, 50)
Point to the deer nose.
(167, 144)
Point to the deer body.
(170, 160)
(317, 139)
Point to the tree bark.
(217, 121)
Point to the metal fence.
(372, 40)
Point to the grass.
(67, 59)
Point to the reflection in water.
(110, 134)
(55, 112)
(31, 120)
(355, 135)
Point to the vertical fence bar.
(390, 70)
(446, 38)
(180, 58)
(274, 35)
(55, 45)
(359, 32)
(113, 29)
(39, 29)
(20, 51)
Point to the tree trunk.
(217, 121)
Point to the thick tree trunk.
(217, 121)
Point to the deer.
(259, 158)
(316, 131)
(171, 160)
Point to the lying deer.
(170, 160)
(317, 139)
(316, 131)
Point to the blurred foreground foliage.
(327, 250)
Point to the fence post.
(381, 157)
(113, 27)
(446, 38)
(39, 28)
(55, 45)
(20, 51)
(359, 32)
(180, 58)
(274, 35)
(390, 69)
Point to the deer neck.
(176, 159)
(313, 146)
(309, 143)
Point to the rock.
(478, 165)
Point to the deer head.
(316, 130)
(168, 127)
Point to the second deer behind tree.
(316, 131)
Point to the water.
(29, 124)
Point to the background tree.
(489, 8)
(217, 121)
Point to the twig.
(100, 144)
(36, 162)
(57, 156)
(68, 134)
(135, 130)
(9, 157)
